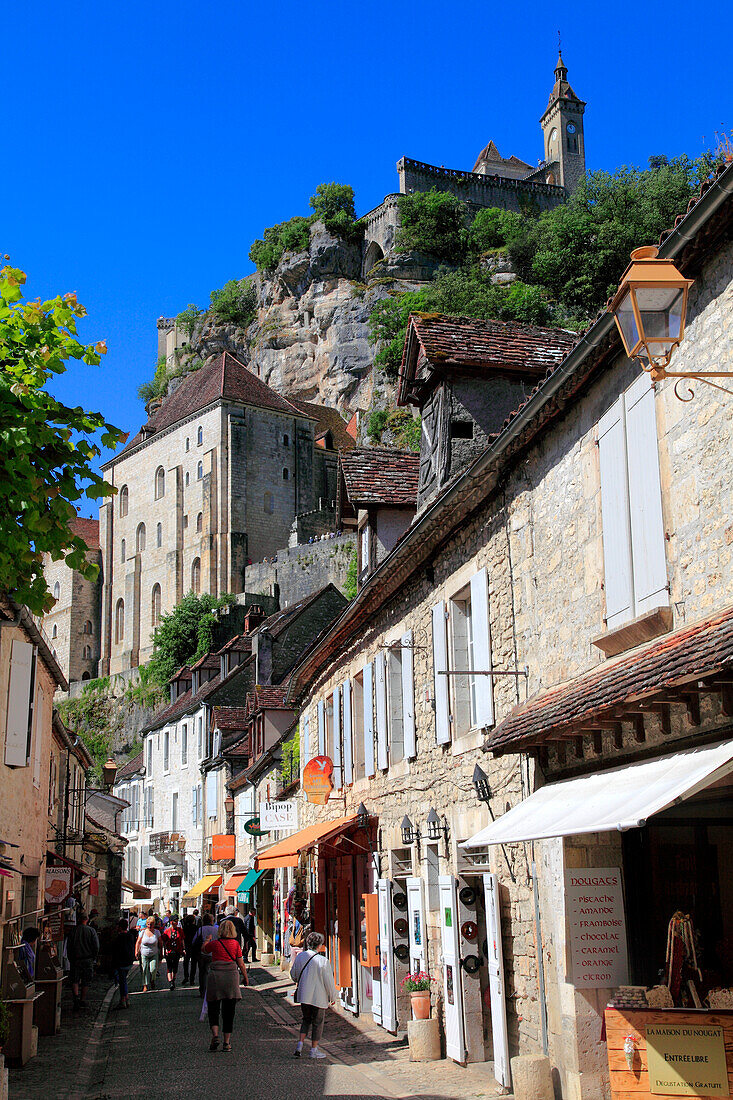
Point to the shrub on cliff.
(433, 222)
(289, 236)
(333, 204)
(493, 228)
(185, 634)
(236, 302)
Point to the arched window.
(88, 629)
(56, 590)
(187, 477)
(159, 535)
(54, 632)
(123, 551)
(200, 436)
(199, 471)
(268, 504)
(196, 575)
(86, 676)
(159, 483)
(87, 653)
(188, 443)
(120, 621)
(140, 537)
(155, 606)
(286, 473)
(124, 500)
(286, 441)
(199, 523)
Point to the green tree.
(46, 448)
(332, 200)
(433, 222)
(493, 228)
(188, 318)
(235, 302)
(388, 324)
(185, 634)
(352, 573)
(289, 236)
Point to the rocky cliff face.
(311, 335)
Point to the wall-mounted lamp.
(229, 805)
(436, 828)
(409, 836)
(481, 786)
(362, 816)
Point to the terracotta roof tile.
(240, 643)
(327, 420)
(229, 719)
(209, 662)
(267, 698)
(378, 475)
(699, 650)
(130, 768)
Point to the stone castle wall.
(522, 196)
(301, 570)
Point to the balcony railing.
(167, 842)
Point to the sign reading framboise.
(317, 781)
(595, 912)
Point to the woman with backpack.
(315, 992)
(222, 984)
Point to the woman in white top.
(147, 950)
(315, 991)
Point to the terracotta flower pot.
(420, 1002)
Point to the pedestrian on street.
(315, 991)
(83, 948)
(173, 947)
(250, 934)
(147, 950)
(222, 984)
(123, 956)
(207, 931)
(94, 920)
(189, 924)
(28, 948)
(239, 926)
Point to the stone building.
(73, 623)
(216, 478)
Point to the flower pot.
(420, 1003)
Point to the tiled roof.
(222, 378)
(378, 475)
(230, 718)
(239, 748)
(240, 643)
(88, 529)
(183, 673)
(267, 698)
(130, 768)
(327, 420)
(209, 662)
(491, 153)
(699, 650)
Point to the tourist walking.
(83, 949)
(239, 926)
(222, 984)
(189, 924)
(207, 931)
(173, 947)
(250, 934)
(315, 991)
(147, 950)
(123, 956)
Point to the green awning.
(244, 887)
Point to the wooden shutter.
(368, 695)
(348, 734)
(615, 516)
(41, 721)
(408, 696)
(440, 664)
(338, 779)
(19, 702)
(649, 561)
(211, 792)
(381, 695)
(321, 729)
(483, 685)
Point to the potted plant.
(418, 986)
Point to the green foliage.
(290, 766)
(235, 302)
(433, 222)
(90, 717)
(388, 323)
(352, 573)
(156, 387)
(289, 236)
(333, 204)
(46, 448)
(493, 228)
(188, 318)
(376, 424)
(147, 691)
(403, 428)
(185, 634)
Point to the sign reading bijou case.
(594, 905)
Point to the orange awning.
(286, 852)
(233, 883)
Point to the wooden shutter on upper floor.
(408, 696)
(17, 725)
(348, 733)
(380, 678)
(338, 779)
(483, 685)
(368, 695)
(615, 518)
(440, 664)
(649, 559)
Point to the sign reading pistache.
(686, 1060)
(595, 909)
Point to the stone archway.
(372, 256)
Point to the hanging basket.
(420, 1003)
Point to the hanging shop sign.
(686, 1060)
(279, 815)
(58, 885)
(317, 779)
(595, 909)
(223, 846)
(175, 881)
(252, 827)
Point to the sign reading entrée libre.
(686, 1060)
(595, 909)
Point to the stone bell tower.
(562, 126)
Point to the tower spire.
(561, 72)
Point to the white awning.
(620, 798)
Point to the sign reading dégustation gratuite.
(594, 905)
(686, 1060)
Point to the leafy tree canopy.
(46, 448)
(188, 318)
(332, 203)
(433, 222)
(289, 236)
(235, 302)
(184, 634)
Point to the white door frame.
(455, 1032)
(386, 956)
(497, 985)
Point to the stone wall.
(522, 196)
(73, 625)
(301, 570)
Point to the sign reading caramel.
(317, 781)
(686, 1060)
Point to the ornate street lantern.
(650, 307)
(109, 773)
(362, 816)
(408, 832)
(481, 786)
(229, 805)
(434, 826)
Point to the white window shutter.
(42, 719)
(645, 499)
(19, 701)
(211, 792)
(321, 729)
(338, 781)
(482, 648)
(440, 664)
(348, 734)
(615, 517)
(369, 720)
(381, 694)
(408, 696)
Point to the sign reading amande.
(279, 815)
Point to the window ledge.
(474, 739)
(635, 632)
(399, 770)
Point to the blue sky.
(147, 145)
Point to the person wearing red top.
(222, 984)
(173, 948)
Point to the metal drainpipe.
(540, 957)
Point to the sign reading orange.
(317, 781)
(223, 846)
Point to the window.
(286, 473)
(188, 443)
(433, 868)
(395, 728)
(120, 621)
(184, 744)
(395, 707)
(56, 590)
(140, 537)
(201, 738)
(187, 479)
(174, 812)
(155, 606)
(196, 575)
(159, 535)
(286, 441)
(461, 429)
(200, 436)
(199, 471)
(159, 483)
(364, 543)
(268, 506)
(199, 523)
(211, 794)
(357, 696)
(195, 798)
(124, 500)
(635, 564)
(88, 627)
(150, 756)
(21, 693)
(84, 675)
(87, 653)
(461, 645)
(54, 632)
(185, 523)
(123, 551)
(166, 751)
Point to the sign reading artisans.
(595, 910)
(686, 1060)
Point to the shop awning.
(617, 799)
(286, 852)
(234, 881)
(137, 890)
(249, 881)
(208, 882)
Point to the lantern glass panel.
(660, 309)
(627, 322)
